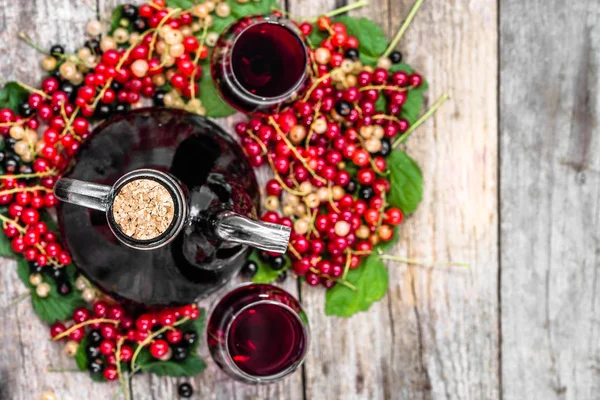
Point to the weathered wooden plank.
(26, 350)
(550, 185)
(435, 335)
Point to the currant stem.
(349, 7)
(152, 336)
(84, 323)
(294, 150)
(18, 299)
(119, 371)
(49, 172)
(192, 78)
(60, 369)
(421, 262)
(30, 42)
(13, 222)
(403, 28)
(385, 87)
(420, 121)
(317, 82)
(33, 90)
(275, 173)
(25, 189)
(347, 265)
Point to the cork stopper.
(143, 209)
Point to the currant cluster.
(328, 154)
(113, 336)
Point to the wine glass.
(260, 63)
(258, 333)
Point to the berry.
(159, 348)
(395, 57)
(106, 347)
(110, 373)
(180, 353)
(249, 269)
(185, 390)
(56, 329)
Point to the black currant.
(160, 336)
(249, 269)
(57, 273)
(56, 74)
(190, 338)
(122, 108)
(25, 110)
(343, 108)
(277, 263)
(102, 111)
(351, 186)
(96, 367)
(264, 256)
(386, 147)
(352, 54)
(92, 351)
(63, 288)
(94, 338)
(395, 57)
(35, 268)
(180, 353)
(26, 169)
(158, 98)
(93, 45)
(11, 163)
(365, 193)
(129, 11)
(282, 276)
(185, 390)
(57, 49)
(116, 86)
(70, 90)
(140, 25)
(10, 142)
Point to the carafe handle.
(233, 227)
(81, 193)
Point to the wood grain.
(24, 345)
(435, 334)
(550, 186)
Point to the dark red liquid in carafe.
(268, 59)
(265, 339)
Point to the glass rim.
(237, 370)
(299, 82)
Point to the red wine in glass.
(258, 333)
(260, 63)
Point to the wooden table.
(512, 180)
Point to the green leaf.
(12, 95)
(411, 109)
(265, 273)
(370, 280)
(191, 366)
(262, 7)
(183, 4)
(316, 36)
(210, 98)
(401, 67)
(373, 41)
(80, 356)
(54, 307)
(220, 23)
(406, 179)
(381, 104)
(115, 19)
